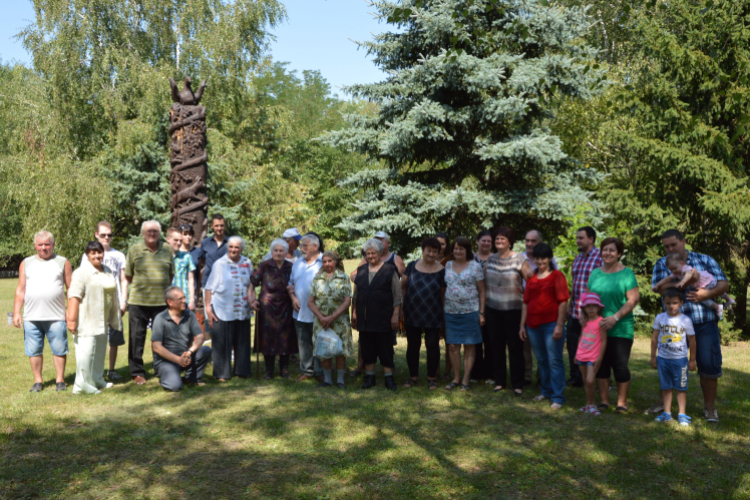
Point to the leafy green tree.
(463, 133)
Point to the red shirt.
(543, 297)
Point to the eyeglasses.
(105, 235)
(152, 231)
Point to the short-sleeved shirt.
(673, 333)
(212, 251)
(151, 273)
(543, 298)
(698, 312)
(583, 264)
(590, 344)
(228, 285)
(302, 276)
(115, 260)
(423, 302)
(461, 294)
(504, 281)
(611, 288)
(176, 338)
(183, 264)
(99, 307)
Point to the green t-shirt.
(611, 288)
(151, 272)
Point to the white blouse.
(228, 284)
(99, 305)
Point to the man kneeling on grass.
(673, 333)
(176, 339)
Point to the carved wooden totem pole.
(187, 128)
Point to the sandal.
(517, 393)
(498, 388)
(464, 388)
(684, 420)
(593, 410)
(446, 377)
(621, 409)
(410, 382)
(286, 374)
(555, 406)
(603, 407)
(451, 386)
(664, 417)
(539, 398)
(432, 384)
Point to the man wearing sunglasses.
(115, 260)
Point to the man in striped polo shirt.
(149, 269)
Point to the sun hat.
(589, 298)
(292, 233)
(381, 234)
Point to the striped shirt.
(582, 267)
(503, 280)
(696, 311)
(183, 264)
(151, 273)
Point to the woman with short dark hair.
(423, 289)
(617, 287)
(92, 307)
(545, 306)
(464, 309)
(504, 275)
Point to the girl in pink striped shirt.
(591, 347)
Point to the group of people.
(499, 306)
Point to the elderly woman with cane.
(276, 336)
(329, 301)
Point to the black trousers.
(271, 362)
(483, 368)
(374, 345)
(616, 358)
(572, 338)
(139, 319)
(502, 329)
(414, 344)
(228, 335)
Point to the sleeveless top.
(45, 289)
(374, 298)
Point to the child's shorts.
(585, 363)
(673, 373)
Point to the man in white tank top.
(42, 281)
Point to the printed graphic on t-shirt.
(673, 333)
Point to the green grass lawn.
(279, 439)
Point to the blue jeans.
(708, 349)
(35, 331)
(549, 358)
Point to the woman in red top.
(545, 304)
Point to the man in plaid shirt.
(586, 261)
(705, 321)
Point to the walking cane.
(257, 347)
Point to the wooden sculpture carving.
(187, 128)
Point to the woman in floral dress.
(277, 336)
(330, 298)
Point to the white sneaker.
(109, 384)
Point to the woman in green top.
(618, 289)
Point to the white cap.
(382, 234)
(292, 233)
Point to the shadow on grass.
(284, 440)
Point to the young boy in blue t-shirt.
(673, 337)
